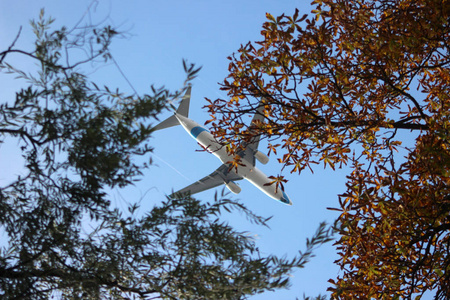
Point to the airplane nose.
(285, 199)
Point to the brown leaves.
(398, 219)
(339, 91)
(278, 180)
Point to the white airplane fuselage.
(246, 169)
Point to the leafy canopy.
(337, 89)
(62, 238)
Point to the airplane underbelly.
(207, 140)
(259, 179)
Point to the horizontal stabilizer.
(169, 122)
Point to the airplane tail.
(183, 110)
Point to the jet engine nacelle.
(233, 187)
(261, 157)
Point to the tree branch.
(3, 54)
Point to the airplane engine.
(261, 157)
(233, 187)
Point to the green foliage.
(62, 237)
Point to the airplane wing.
(220, 176)
(249, 149)
(259, 116)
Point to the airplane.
(225, 174)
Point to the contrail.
(172, 167)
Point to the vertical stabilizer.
(183, 109)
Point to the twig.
(12, 45)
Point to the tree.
(347, 86)
(79, 140)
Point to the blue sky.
(160, 34)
